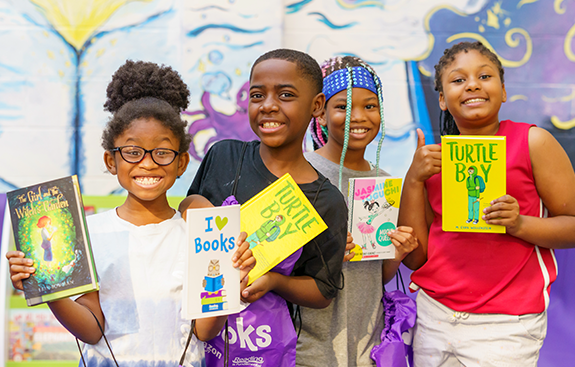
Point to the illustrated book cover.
(211, 284)
(373, 204)
(473, 173)
(49, 227)
(278, 221)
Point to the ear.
(321, 118)
(504, 96)
(183, 161)
(318, 104)
(442, 104)
(110, 162)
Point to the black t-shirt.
(322, 257)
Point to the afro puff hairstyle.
(146, 90)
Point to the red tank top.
(485, 272)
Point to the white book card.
(212, 284)
(373, 204)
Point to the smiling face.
(146, 181)
(282, 102)
(364, 123)
(473, 93)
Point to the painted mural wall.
(57, 56)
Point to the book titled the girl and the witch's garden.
(473, 173)
(373, 204)
(50, 228)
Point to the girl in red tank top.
(482, 281)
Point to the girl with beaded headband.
(351, 119)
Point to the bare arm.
(301, 290)
(75, 316)
(415, 211)
(555, 180)
(405, 242)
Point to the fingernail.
(31, 269)
(28, 261)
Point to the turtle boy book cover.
(473, 173)
(212, 284)
(278, 220)
(373, 204)
(49, 227)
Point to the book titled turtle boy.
(211, 284)
(278, 221)
(49, 227)
(373, 204)
(473, 173)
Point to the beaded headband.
(338, 81)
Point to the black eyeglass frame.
(119, 149)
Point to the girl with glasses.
(139, 247)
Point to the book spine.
(84, 231)
(350, 197)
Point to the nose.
(147, 161)
(472, 83)
(357, 114)
(269, 105)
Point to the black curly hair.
(146, 90)
(446, 121)
(305, 64)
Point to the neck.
(354, 159)
(140, 212)
(280, 161)
(490, 128)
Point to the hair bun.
(139, 79)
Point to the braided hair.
(146, 90)
(319, 133)
(446, 121)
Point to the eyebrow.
(482, 66)
(277, 86)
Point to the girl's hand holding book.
(348, 247)
(20, 268)
(504, 211)
(404, 240)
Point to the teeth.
(473, 100)
(358, 131)
(147, 180)
(270, 125)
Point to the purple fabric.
(230, 200)
(400, 312)
(262, 335)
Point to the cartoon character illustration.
(268, 231)
(214, 299)
(365, 226)
(226, 126)
(475, 186)
(47, 232)
(214, 281)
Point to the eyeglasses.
(135, 154)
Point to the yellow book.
(473, 173)
(278, 220)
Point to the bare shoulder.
(552, 171)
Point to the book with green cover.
(49, 227)
(473, 173)
(278, 220)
